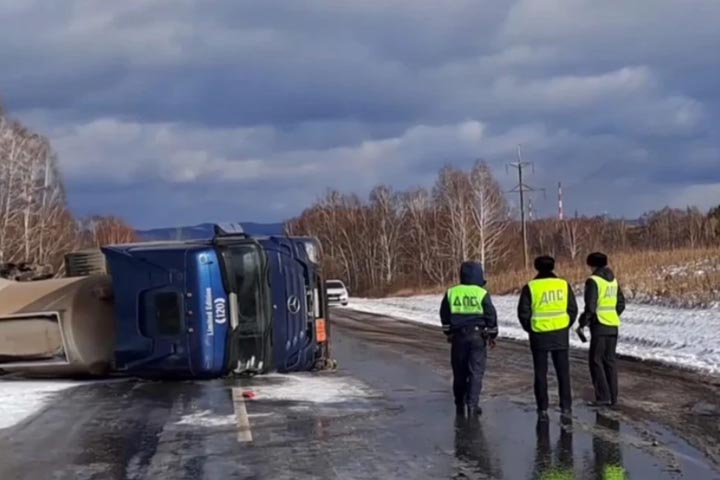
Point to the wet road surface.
(386, 413)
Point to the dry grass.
(680, 277)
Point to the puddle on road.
(507, 441)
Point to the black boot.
(460, 410)
(597, 404)
(475, 411)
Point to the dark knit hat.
(597, 260)
(545, 264)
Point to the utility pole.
(521, 188)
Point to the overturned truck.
(188, 309)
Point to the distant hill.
(205, 230)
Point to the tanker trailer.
(61, 327)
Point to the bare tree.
(490, 214)
(571, 236)
(99, 231)
(36, 226)
(386, 207)
(454, 195)
(417, 238)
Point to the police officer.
(469, 321)
(604, 303)
(546, 310)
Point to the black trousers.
(603, 367)
(468, 355)
(561, 361)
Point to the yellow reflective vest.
(466, 299)
(549, 304)
(607, 301)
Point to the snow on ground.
(310, 388)
(19, 399)
(688, 338)
(299, 392)
(697, 268)
(207, 418)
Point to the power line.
(522, 188)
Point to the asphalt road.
(386, 413)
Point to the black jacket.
(589, 316)
(471, 273)
(557, 340)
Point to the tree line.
(36, 225)
(416, 238)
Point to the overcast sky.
(178, 111)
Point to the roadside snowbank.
(19, 399)
(688, 338)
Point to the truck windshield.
(243, 270)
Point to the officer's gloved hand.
(581, 334)
(492, 343)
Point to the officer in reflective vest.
(546, 310)
(469, 321)
(604, 303)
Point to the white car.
(336, 292)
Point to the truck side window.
(168, 313)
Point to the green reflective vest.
(607, 301)
(549, 304)
(466, 299)
(613, 472)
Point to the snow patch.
(20, 399)
(696, 268)
(309, 388)
(687, 338)
(206, 418)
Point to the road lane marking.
(241, 416)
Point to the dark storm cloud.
(186, 109)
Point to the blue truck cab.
(204, 308)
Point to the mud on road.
(653, 397)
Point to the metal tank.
(61, 327)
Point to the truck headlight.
(311, 252)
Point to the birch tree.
(454, 195)
(490, 214)
(36, 226)
(386, 209)
(571, 236)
